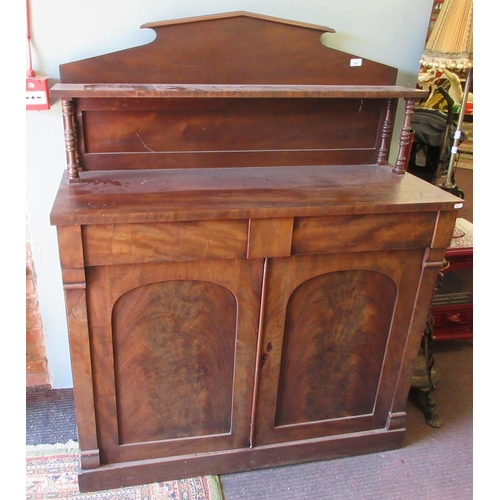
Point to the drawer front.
(107, 244)
(362, 232)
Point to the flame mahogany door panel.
(173, 351)
(333, 341)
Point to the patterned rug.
(52, 472)
(462, 234)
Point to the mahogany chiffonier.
(247, 278)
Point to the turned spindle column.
(386, 135)
(70, 137)
(405, 139)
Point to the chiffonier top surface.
(260, 192)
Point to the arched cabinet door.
(173, 355)
(333, 339)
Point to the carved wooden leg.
(424, 379)
(426, 375)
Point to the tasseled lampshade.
(450, 42)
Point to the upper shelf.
(75, 90)
(229, 90)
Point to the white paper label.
(356, 62)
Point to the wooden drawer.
(107, 244)
(362, 232)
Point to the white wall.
(387, 31)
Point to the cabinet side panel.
(336, 332)
(174, 347)
(74, 282)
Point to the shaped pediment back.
(232, 48)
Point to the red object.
(452, 306)
(37, 93)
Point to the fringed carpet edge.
(52, 472)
